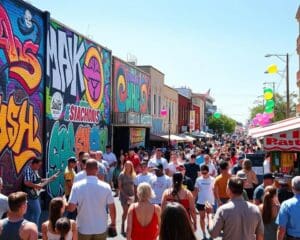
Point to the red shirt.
(135, 159)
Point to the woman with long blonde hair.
(126, 188)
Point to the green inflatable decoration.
(217, 115)
(268, 90)
(270, 103)
(269, 109)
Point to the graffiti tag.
(19, 131)
(21, 57)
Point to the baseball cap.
(268, 176)
(241, 176)
(72, 159)
(180, 167)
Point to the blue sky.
(217, 45)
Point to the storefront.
(282, 141)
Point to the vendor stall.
(282, 140)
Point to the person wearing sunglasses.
(204, 191)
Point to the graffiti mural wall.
(131, 88)
(78, 90)
(22, 45)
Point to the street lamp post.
(286, 61)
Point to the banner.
(137, 137)
(192, 120)
(283, 141)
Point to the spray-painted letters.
(22, 45)
(131, 88)
(77, 98)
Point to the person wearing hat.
(144, 176)
(159, 183)
(187, 182)
(268, 180)
(242, 176)
(288, 218)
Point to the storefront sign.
(192, 120)
(146, 119)
(137, 137)
(284, 141)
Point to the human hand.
(208, 207)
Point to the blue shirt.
(199, 160)
(289, 216)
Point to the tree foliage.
(221, 125)
(279, 109)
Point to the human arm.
(216, 193)
(74, 230)
(112, 214)
(254, 178)
(129, 222)
(28, 231)
(259, 232)
(164, 199)
(44, 231)
(73, 200)
(215, 226)
(192, 209)
(158, 213)
(281, 233)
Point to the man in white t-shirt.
(158, 159)
(160, 183)
(91, 197)
(111, 159)
(144, 176)
(204, 189)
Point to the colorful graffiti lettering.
(19, 131)
(93, 77)
(63, 61)
(61, 147)
(132, 89)
(64, 143)
(21, 58)
(80, 71)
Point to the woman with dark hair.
(269, 210)
(251, 181)
(56, 211)
(175, 224)
(181, 195)
(63, 226)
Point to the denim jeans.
(33, 211)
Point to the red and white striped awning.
(277, 127)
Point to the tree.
(221, 125)
(279, 109)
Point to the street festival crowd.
(210, 185)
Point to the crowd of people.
(165, 194)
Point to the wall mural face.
(22, 44)
(131, 88)
(77, 99)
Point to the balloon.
(272, 69)
(269, 109)
(217, 115)
(268, 95)
(268, 90)
(270, 103)
(163, 112)
(255, 121)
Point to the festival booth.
(282, 140)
